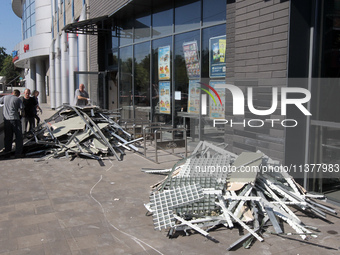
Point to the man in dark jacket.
(30, 105)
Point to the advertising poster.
(164, 97)
(192, 63)
(164, 63)
(216, 110)
(194, 97)
(217, 61)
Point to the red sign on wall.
(26, 47)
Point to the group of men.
(16, 108)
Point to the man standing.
(81, 96)
(30, 105)
(12, 123)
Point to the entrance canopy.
(89, 26)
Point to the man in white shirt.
(81, 96)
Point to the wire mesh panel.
(163, 203)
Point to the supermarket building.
(157, 60)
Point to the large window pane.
(142, 81)
(207, 34)
(114, 37)
(157, 115)
(181, 72)
(162, 19)
(125, 30)
(33, 19)
(33, 30)
(142, 28)
(187, 15)
(125, 86)
(214, 11)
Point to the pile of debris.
(73, 131)
(214, 187)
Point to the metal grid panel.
(162, 203)
(205, 182)
(204, 207)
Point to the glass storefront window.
(187, 15)
(206, 35)
(330, 39)
(114, 38)
(125, 88)
(142, 81)
(162, 19)
(181, 20)
(181, 72)
(126, 32)
(28, 19)
(212, 134)
(112, 59)
(157, 46)
(142, 28)
(214, 11)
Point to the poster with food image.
(217, 60)
(194, 97)
(216, 109)
(164, 63)
(190, 50)
(164, 97)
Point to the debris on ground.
(215, 188)
(74, 131)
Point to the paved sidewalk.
(76, 207)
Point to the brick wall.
(258, 49)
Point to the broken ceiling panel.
(74, 131)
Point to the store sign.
(15, 56)
(26, 47)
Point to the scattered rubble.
(73, 131)
(211, 189)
